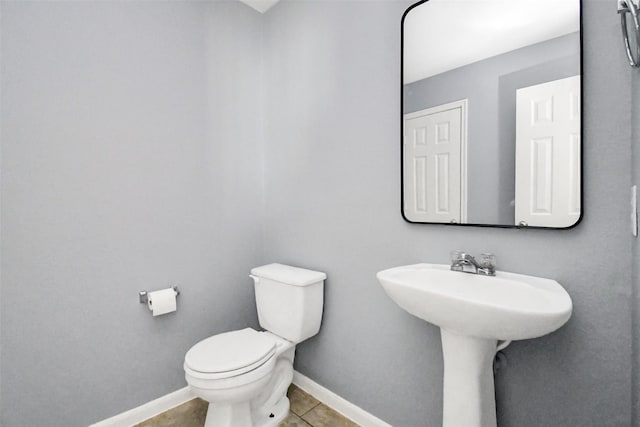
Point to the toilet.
(245, 374)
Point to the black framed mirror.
(491, 113)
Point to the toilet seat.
(229, 354)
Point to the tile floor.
(305, 411)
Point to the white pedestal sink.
(474, 313)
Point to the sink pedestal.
(468, 390)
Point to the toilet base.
(235, 415)
(279, 411)
(220, 415)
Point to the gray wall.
(490, 86)
(131, 159)
(635, 180)
(333, 202)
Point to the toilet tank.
(289, 300)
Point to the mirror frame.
(582, 200)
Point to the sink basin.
(477, 315)
(506, 306)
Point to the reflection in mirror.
(491, 112)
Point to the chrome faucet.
(466, 263)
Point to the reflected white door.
(435, 164)
(548, 154)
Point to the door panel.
(548, 154)
(433, 154)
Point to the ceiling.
(441, 35)
(260, 5)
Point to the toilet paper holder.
(142, 295)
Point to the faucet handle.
(488, 260)
(455, 255)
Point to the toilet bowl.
(245, 374)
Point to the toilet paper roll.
(162, 302)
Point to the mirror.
(491, 113)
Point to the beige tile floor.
(305, 411)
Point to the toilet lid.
(230, 351)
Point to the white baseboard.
(148, 410)
(178, 397)
(337, 403)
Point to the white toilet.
(244, 374)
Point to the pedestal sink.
(476, 314)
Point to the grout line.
(298, 417)
(306, 422)
(314, 407)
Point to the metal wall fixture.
(629, 7)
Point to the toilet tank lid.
(288, 274)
